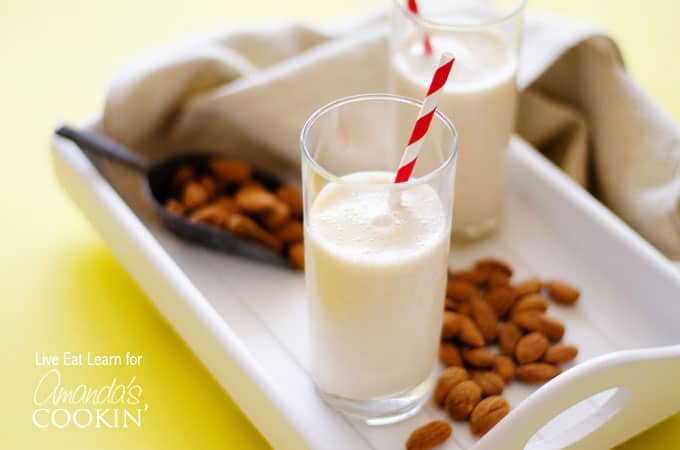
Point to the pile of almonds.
(493, 332)
(228, 197)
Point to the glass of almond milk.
(376, 254)
(480, 96)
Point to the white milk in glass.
(480, 98)
(377, 272)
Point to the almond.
(478, 357)
(227, 203)
(508, 336)
(537, 321)
(183, 175)
(501, 299)
(231, 170)
(449, 354)
(485, 318)
(476, 277)
(450, 324)
(290, 232)
(562, 292)
(465, 309)
(487, 414)
(494, 264)
(292, 197)
(504, 366)
(560, 354)
(498, 278)
(278, 216)
(526, 287)
(194, 195)
(489, 382)
(255, 199)
(209, 185)
(462, 399)
(528, 320)
(552, 328)
(462, 308)
(534, 373)
(212, 214)
(469, 333)
(531, 347)
(296, 254)
(429, 436)
(447, 380)
(531, 302)
(460, 291)
(175, 207)
(245, 226)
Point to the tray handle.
(648, 393)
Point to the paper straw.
(408, 161)
(413, 7)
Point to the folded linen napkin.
(252, 89)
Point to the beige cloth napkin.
(252, 89)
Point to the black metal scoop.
(159, 182)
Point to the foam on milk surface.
(360, 222)
(481, 59)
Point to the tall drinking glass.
(480, 96)
(376, 253)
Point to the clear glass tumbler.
(376, 253)
(480, 96)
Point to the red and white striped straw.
(413, 7)
(408, 160)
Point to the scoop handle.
(99, 144)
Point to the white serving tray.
(247, 322)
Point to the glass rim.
(328, 175)
(433, 24)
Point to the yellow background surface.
(62, 289)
